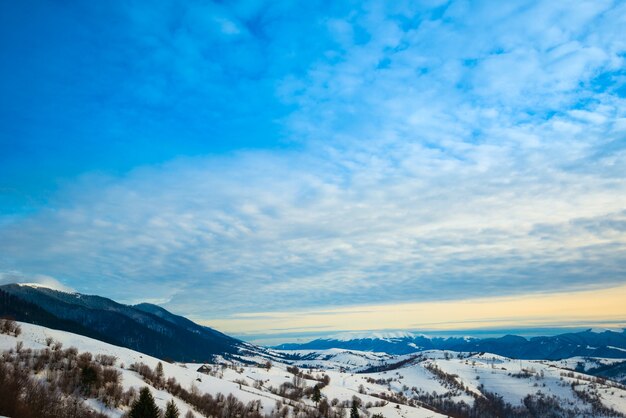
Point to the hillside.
(251, 386)
(408, 386)
(146, 328)
(122, 347)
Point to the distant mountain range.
(590, 343)
(145, 327)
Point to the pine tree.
(159, 375)
(354, 412)
(316, 394)
(144, 407)
(171, 410)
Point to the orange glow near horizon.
(604, 307)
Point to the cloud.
(9, 277)
(429, 154)
(264, 230)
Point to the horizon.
(274, 341)
(277, 337)
(274, 170)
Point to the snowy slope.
(239, 380)
(406, 383)
(513, 380)
(144, 327)
(337, 359)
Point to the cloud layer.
(429, 153)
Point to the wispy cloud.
(9, 277)
(430, 153)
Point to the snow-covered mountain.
(432, 383)
(94, 354)
(384, 342)
(590, 343)
(257, 390)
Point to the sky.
(289, 168)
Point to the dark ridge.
(155, 332)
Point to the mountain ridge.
(591, 343)
(147, 328)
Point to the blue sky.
(252, 157)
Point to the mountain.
(213, 373)
(590, 343)
(145, 327)
(155, 331)
(390, 343)
(431, 384)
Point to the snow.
(52, 286)
(476, 372)
(381, 335)
(337, 358)
(34, 337)
(342, 385)
(603, 330)
(586, 363)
